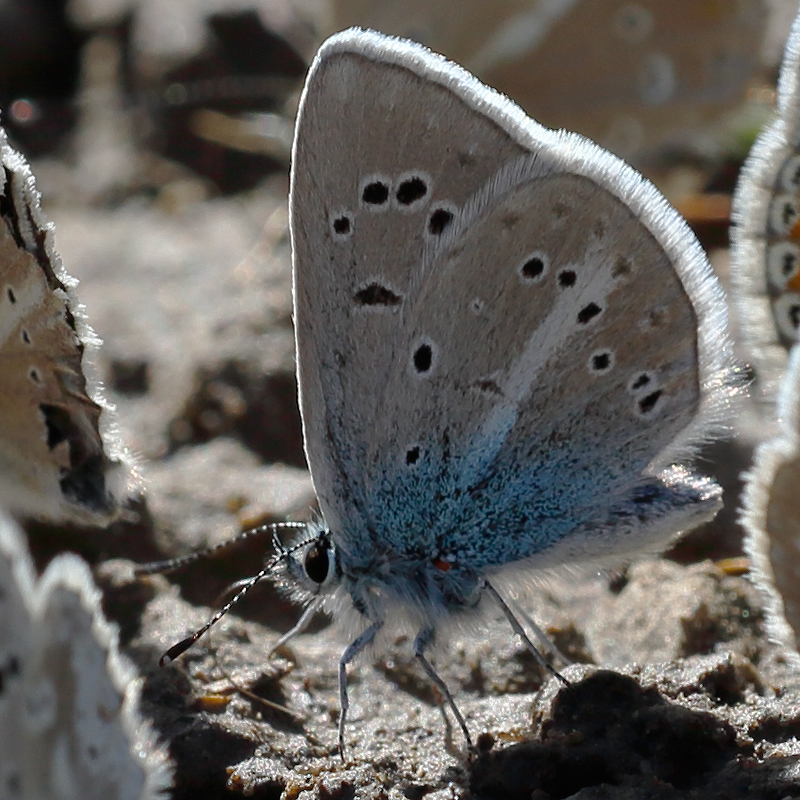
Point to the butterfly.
(60, 457)
(765, 237)
(508, 346)
(70, 724)
(765, 274)
(771, 520)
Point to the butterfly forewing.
(502, 331)
(356, 258)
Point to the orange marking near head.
(794, 284)
(794, 231)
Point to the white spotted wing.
(70, 725)
(54, 462)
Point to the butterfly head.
(376, 584)
(310, 567)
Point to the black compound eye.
(316, 563)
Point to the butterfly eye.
(317, 562)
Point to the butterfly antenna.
(181, 647)
(277, 544)
(171, 564)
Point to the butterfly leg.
(544, 640)
(424, 638)
(300, 625)
(353, 649)
(520, 631)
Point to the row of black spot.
(646, 400)
(12, 298)
(639, 385)
(410, 191)
(533, 270)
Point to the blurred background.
(211, 84)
